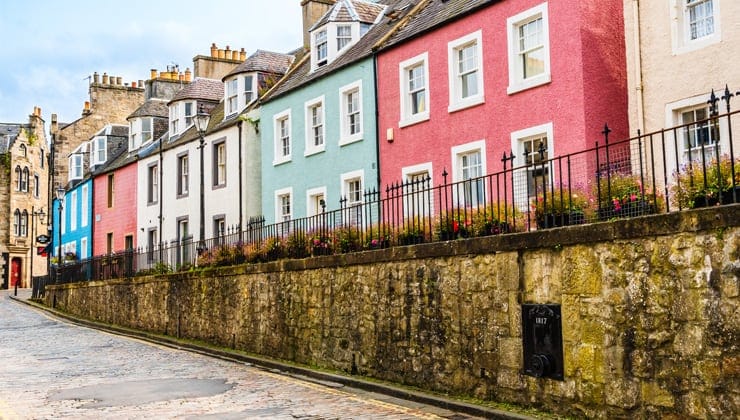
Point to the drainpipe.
(241, 204)
(377, 125)
(638, 66)
(92, 222)
(161, 163)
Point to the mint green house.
(318, 125)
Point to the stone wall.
(650, 313)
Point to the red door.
(15, 272)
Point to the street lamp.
(34, 214)
(60, 196)
(201, 124)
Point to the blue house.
(319, 140)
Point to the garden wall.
(650, 313)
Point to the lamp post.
(201, 124)
(60, 195)
(34, 214)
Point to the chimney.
(96, 78)
(141, 84)
(133, 84)
(242, 54)
(313, 10)
(54, 125)
(188, 74)
(153, 74)
(227, 53)
(214, 50)
(105, 78)
(119, 79)
(86, 110)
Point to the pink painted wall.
(119, 219)
(588, 87)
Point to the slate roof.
(350, 11)
(200, 88)
(302, 74)
(433, 14)
(264, 61)
(151, 108)
(8, 134)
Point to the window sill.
(218, 187)
(311, 152)
(281, 161)
(349, 140)
(185, 195)
(522, 85)
(413, 119)
(696, 44)
(466, 103)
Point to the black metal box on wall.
(542, 341)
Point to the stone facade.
(24, 149)
(649, 313)
(220, 63)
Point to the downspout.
(638, 66)
(241, 201)
(161, 162)
(377, 122)
(92, 213)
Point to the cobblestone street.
(51, 369)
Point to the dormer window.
(146, 130)
(344, 36)
(75, 167)
(174, 121)
(99, 154)
(232, 98)
(140, 132)
(248, 89)
(321, 48)
(181, 112)
(189, 108)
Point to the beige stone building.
(678, 51)
(24, 210)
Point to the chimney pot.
(105, 78)
(141, 83)
(188, 74)
(96, 78)
(214, 50)
(153, 74)
(242, 54)
(221, 53)
(133, 85)
(119, 80)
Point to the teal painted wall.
(323, 169)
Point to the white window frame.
(311, 195)
(152, 184)
(188, 118)
(279, 194)
(278, 156)
(681, 41)
(345, 137)
(232, 96)
(248, 89)
(99, 150)
(517, 82)
(352, 176)
(338, 38)
(73, 211)
(316, 60)
(219, 163)
(457, 102)
(409, 172)
(83, 248)
(407, 117)
(146, 135)
(521, 176)
(311, 147)
(183, 174)
(76, 163)
(85, 198)
(174, 120)
(457, 175)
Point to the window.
(283, 205)
(99, 150)
(75, 166)
(315, 126)
(23, 150)
(42, 157)
(17, 222)
(699, 135)
(219, 164)
(184, 239)
(189, 107)
(231, 97)
(219, 226)
(414, 93)
(351, 113)
(24, 224)
(111, 190)
(468, 164)
(151, 243)
(24, 180)
(248, 89)
(174, 120)
(84, 202)
(316, 201)
(18, 178)
(532, 146)
(465, 71)
(352, 194)
(344, 36)
(529, 49)
(109, 242)
(73, 211)
(146, 130)
(83, 248)
(153, 184)
(695, 24)
(321, 50)
(36, 186)
(183, 180)
(282, 137)
(418, 196)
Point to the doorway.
(16, 271)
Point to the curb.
(275, 366)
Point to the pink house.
(463, 82)
(114, 204)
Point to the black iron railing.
(687, 166)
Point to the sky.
(49, 48)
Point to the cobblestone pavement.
(51, 369)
